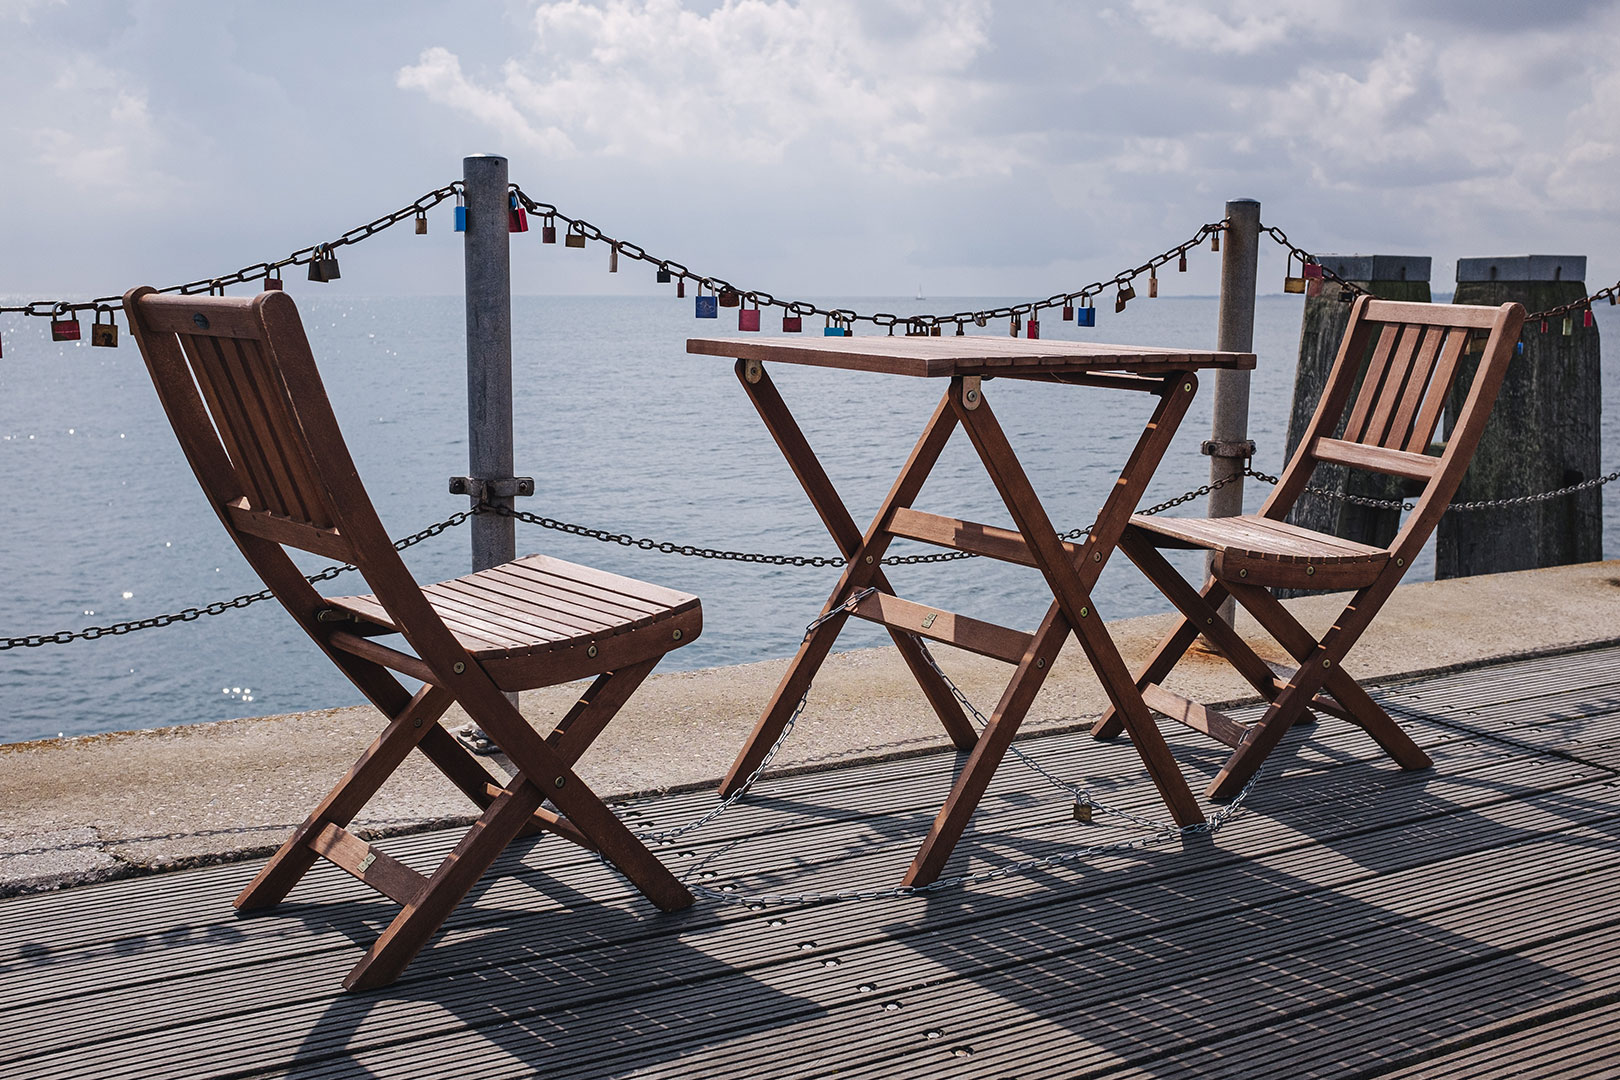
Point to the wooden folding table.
(1070, 569)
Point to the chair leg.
(508, 813)
(1267, 732)
(1281, 624)
(351, 794)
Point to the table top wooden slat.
(970, 354)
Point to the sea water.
(101, 520)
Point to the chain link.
(915, 324)
(218, 607)
(1349, 290)
(1463, 507)
(60, 308)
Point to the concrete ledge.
(103, 806)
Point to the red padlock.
(680, 289)
(792, 324)
(548, 231)
(1068, 313)
(65, 329)
(1587, 320)
(1034, 328)
(730, 297)
(1311, 270)
(272, 280)
(748, 318)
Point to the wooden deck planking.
(1126, 963)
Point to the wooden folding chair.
(242, 393)
(1417, 353)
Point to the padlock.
(421, 223)
(613, 258)
(680, 289)
(1034, 331)
(461, 214)
(65, 327)
(959, 331)
(1569, 325)
(1182, 265)
(1543, 326)
(517, 218)
(1126, 294)
(575, 237)
(1215, 240)
(1587, 319)
(272, 280)
(706, 308)
(1153, 282)
(2, 349)
(792, 324)
(1293, 283)
(830, 330)
(730, 297)
(663, 276)
(1085, 314)
(980, 320)
(1068, 312)
(323, 265)
(1015, 324)
(748, 318)
(933, 331)
(104, 334)
(548, 231)
(1311, 271)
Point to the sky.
(804, 147)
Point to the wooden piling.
(1389, 277)
(1543, 434)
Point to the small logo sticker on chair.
(365, 863)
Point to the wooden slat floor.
(1351, 921)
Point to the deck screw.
(1327, 663)
(677, 635)
(1187, 386)
(1084, 612)
(1096, 556)
(1400, 562)
(869, 558)
(1310, 570)
(1243, 573)
(1039, 662)
(591, 652)
(559, 782)
(458, 667)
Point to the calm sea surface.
(102, 521)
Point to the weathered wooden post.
(488, 268)
(1389, 277)
(1229, 447)
(1543, 434)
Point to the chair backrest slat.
(1394, 384)
(1429, 418)
(1371, 383)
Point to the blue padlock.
(708, 307)
(461, 215)
(1085, 314)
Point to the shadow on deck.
(1351, 921)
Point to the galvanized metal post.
(1229, 430)
(489, 356)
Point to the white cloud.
(886, 86)
(1231, 26)
(103, 141)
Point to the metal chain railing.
(219, 607)
(60, 308)
(916, 323)
(1348, 290)
(1464, 507)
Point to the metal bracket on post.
(503, 487)
(1242, 450)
